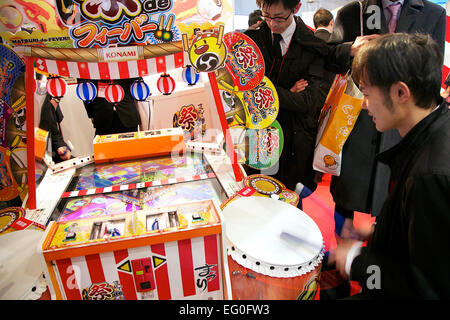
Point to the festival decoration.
(114, 93)
(140, 90)
(207, 51)
(86, 91)
(166, 84)
(56, 87)
(244, 61)
(190, 75)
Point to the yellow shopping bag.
(336, 121)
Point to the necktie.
(394, 9)
(276, 45)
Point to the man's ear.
(400, 92)
(297, 7)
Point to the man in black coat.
(50, 120)
(406, 256)
(323, 22)
(363, 182)
(296, 67)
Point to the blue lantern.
(190, 75)
(86, 91)
(140, 90)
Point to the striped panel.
(77, 193)
(187, 267)
(212, 258)
(112, 70)
(68, 276)
(162, 274)
(125, 278)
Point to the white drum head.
(272, 237)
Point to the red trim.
(211, 258)
(187, 267)
(123, 69)
(63, 69)
(179, 59)
(103, 70)
(83, 70)
(160, 64)
(126, 279)
(445, 72)
(64, 265)
(142, 68)
(447, 34)
(162, 274)
(94, 264)
(29, 112)
(115, 188)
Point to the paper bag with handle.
(336, 122)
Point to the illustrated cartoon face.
(329, 161)
(207, 52)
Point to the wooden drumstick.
(220, 36)
(161, 22)
(169, 23)
(185, 42)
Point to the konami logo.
(120, 54)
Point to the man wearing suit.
(363, 183)
(109, 118)
(296, 57)
(323, 22)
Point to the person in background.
(295, 63)
(254, 19)
(400, 78)
(50, 120)
(108, 118)
(323, 22)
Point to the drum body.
(249, 285)
(274, 250)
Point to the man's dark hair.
(322, 18)
(288, 4)
(254, 17)
(413, 59)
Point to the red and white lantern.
(56, 87)
(114, 93)
(166, 84)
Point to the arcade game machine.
(140, 219)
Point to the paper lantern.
(86, 91)
(56, 87)
(190, 75)
(166, 84)
(140, 90)
(114, 93)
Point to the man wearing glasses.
(294, 62)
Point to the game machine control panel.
(152, 221)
